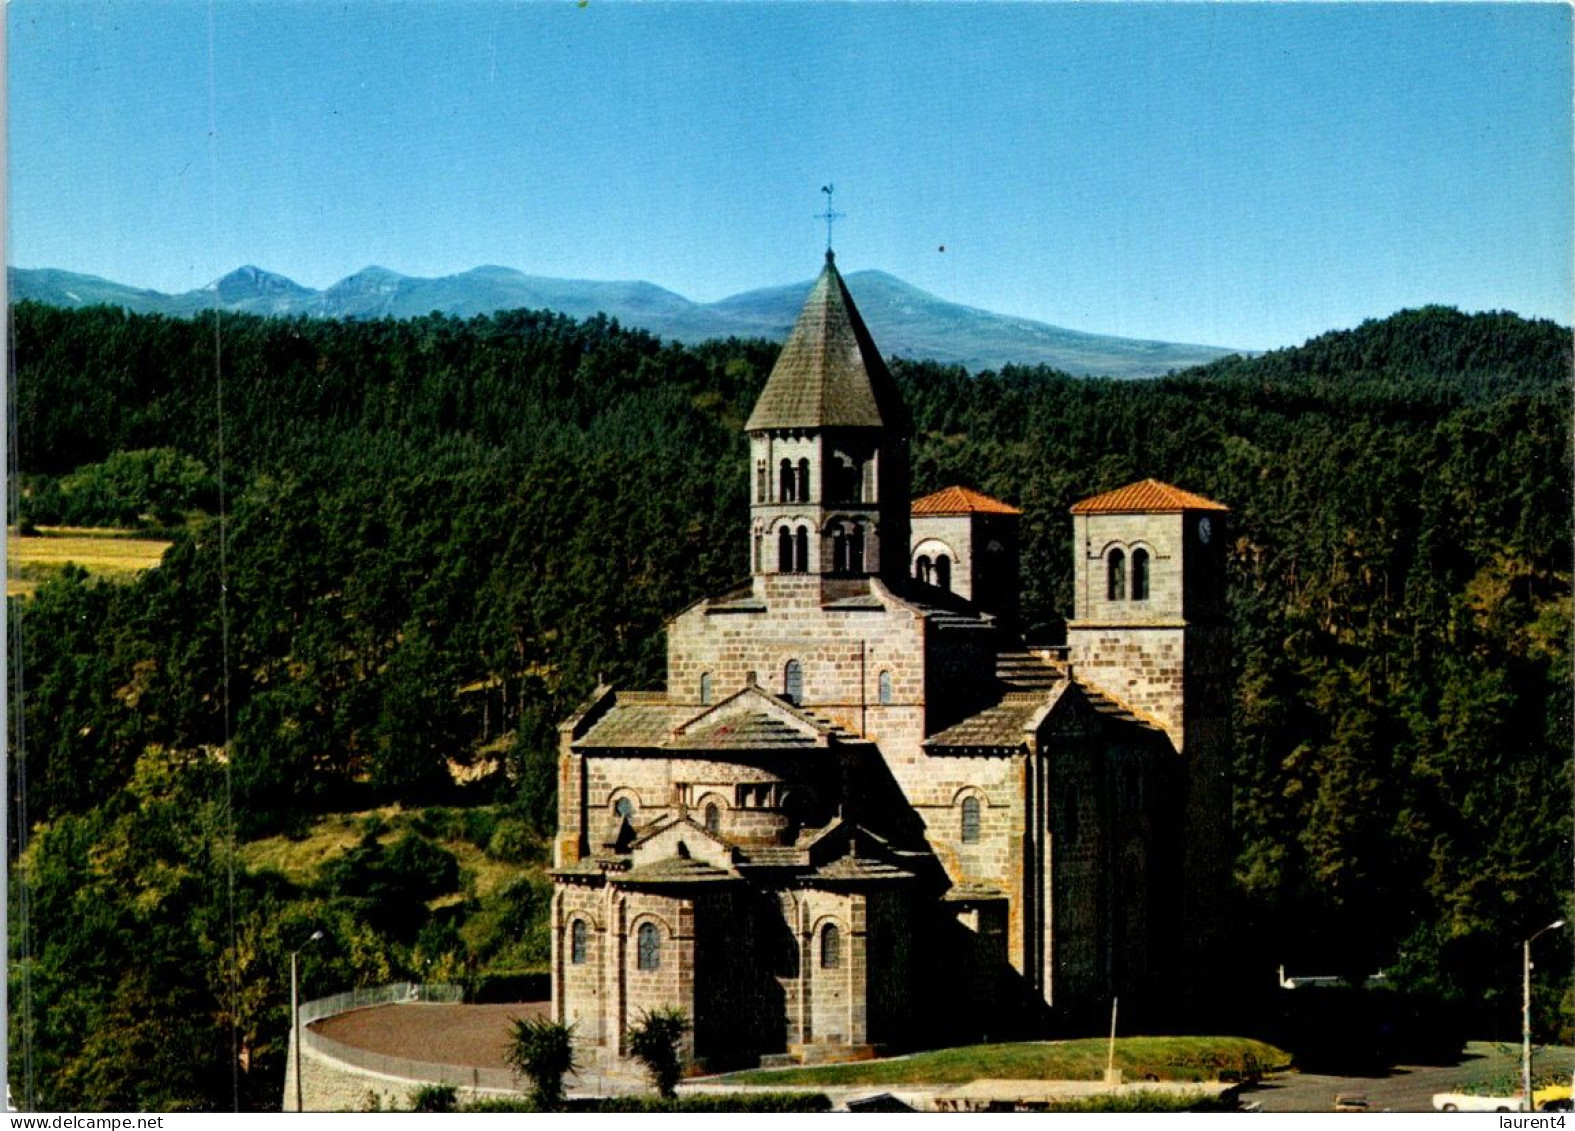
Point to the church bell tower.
(828, 443)
(1150, 629)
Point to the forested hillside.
(437, 534)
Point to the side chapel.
(863, 813)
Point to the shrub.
(653, 1041)
(542, 1051)
(435, 1097)
(513, 842)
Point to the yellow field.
(114, 554)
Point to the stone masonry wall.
(842, 654)
(1142, 668)
(951, 535)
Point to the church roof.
(998, 728)
(829, 373)
(627, 724)
(674, 870)
(754, 730)
(750, 719)
(1148, 497)
(857, 869)
(961, 500)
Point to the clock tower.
(1150, 629)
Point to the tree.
(542, 1051)
(653, 1041)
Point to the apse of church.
(863, 813)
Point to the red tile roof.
(961, 500)
(1148, 497)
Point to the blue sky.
(1238, 174)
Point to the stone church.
(863, 813)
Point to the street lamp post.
(1525, 1010)
(295, 1013)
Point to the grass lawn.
(117, 555)
(1168, 1058)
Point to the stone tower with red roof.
(1150, 629)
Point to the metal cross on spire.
(829, 215)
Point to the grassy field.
(299, 858)
(116, 555)
(1167, 1058)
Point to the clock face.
(1205, 530)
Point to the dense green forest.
(404, 550)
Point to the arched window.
(713, 818)
(623, 808)
(803, 480)
(785, 482)
(801, 550)
(921, 569)
(970, 820)
(649, 948)
(1116, 577)
(784, 550)
(830, 947)
(793, 682)
(943, 572)
(762, 482)
(884, 688)
(577, 942)
(1140, 575)
(856, 549)
(705, 689)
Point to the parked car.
(1555, 1097)
(1465, 1101)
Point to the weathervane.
(829, 215)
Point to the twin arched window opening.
(937, 572)
(793, 550)
(846, 478)
(1116, 575)
(847, 547)
(793, 481)
(648, 947)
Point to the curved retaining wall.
(340, 1077)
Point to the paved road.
(1406, 1088)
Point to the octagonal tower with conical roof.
(828, 440)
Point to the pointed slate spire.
(829, 374)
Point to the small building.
(863, 813)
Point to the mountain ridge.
(907, 321)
